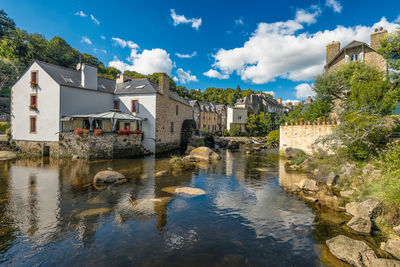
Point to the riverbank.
(351, 189)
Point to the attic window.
(67, 79)
(140, 86)
(354, 57)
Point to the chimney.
(279, 100)
(88, 76)
(376, 37)
(332, 50)
(163, 83)
(121, 78)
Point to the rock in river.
(360, 224)
(191, 191)
(108, 177)
(384, 263)
(204, 153)
(365, 209)
(308, 185)
(92, 212)
(354, 252)
(392, 246)
(7, 155)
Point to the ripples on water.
(51, 215)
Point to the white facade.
(47, 114)
(236, 116)
(147, 110)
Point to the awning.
(113, 115)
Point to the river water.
(51, 215)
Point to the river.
(51, 215)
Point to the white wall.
(48, 113)
(147, 109)
(234, 114)
(82, 101)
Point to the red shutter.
(133, 106)
(33, 125)
(34, 76)
(33, 100)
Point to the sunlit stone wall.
(302, 136)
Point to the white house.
(50, 100)
(237, 116)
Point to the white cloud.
(181, 19)
(103, 37)
(304, 16)
(94, 20)
(80, 14)
(269, 92)
(186, 55)
(277, 50)
(185, 76)
(123, 43)
(304, 90)
(335, 5)
(239, 21)
(215, 74)
(175, 79)
(95, 50)
(147, 62)
(86, 40)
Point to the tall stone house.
(50, 101)
(356, 51)
(209, 117)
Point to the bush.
(4, 126)
(226, 133)
(273, 138)
(8, 134)
(299, 158)
(234, 130)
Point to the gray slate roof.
(71, 77)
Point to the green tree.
(252, 124)
(59, 52)
(7, 25)
(390, 50)
(319, 108)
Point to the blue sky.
(274, 46)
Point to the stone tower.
(163, 84)
(332, 50)
(376, 36)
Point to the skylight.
(140, 86)
(67, 79)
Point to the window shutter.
(361, 57)
(136, 104)
(346, 59)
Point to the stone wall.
(302, 136)
(107, 145)
(167, 139)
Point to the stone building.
(209, 117)
(356, 51)
(49, 102)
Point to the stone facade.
(356, 51)
(302, 136)
(170, 115)
(105, 146)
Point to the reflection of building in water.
(287, 179)
(235, 166)
(34, 199)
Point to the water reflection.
(52, 214)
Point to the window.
(172, 127)
(32, 127)
(354, 57)
(177, 110)
(135, 106)
(34, 77)
(127, 126)
(33, 102)
(239, 117)
(116, 104)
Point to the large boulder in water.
(108, 177)
(360, 224)
(7, 155)
(292, 153)
(354, 252)
(204, 153)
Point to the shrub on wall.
(4, 126)
(273, 138)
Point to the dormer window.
(34, 79)
(354, 57)
(135, 106)
(116, 104)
